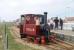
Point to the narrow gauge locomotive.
(35, 27)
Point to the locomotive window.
(40, 19)
(27, 18)
(36, 18)
(22, 18)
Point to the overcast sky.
(12, 9)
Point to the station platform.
(66, 35)
(65, 32)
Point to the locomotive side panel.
(29, 29)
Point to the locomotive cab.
(34, 25)
(31, 24)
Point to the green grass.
(1, 44)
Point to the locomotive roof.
(33, 15)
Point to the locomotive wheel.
(37, 40)
(43, 40)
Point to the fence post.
(5, 38)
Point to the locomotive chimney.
(45, 18)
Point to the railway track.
(59, 45)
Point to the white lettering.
(30, 29)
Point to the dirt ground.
(15, 33)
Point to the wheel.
(43, 40)
(37, 40)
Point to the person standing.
(56, 21)
(61, 23)
(51, 24)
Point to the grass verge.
(1, 44)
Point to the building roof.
(69, 18)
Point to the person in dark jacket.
(56, 22)
(61, 23)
